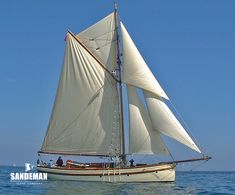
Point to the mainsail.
(85, 117)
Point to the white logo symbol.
(28, 167)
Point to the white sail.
(143, 139)
(136, 71)
(86, 110)
(164, 121)
(100, 38)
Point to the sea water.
(186, 183)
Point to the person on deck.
(59, 162)
(131, 163)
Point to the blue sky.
(189, 46)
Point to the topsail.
(100, 39)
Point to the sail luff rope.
(172, 118)
(187, 127)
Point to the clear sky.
(189, 46)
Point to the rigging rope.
(96, 36)
(97, 48)
(186, 126)
(196, 166)
(107, 40)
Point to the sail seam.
(97, 48)
(95, 38)
(88, 50)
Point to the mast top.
(115, 6)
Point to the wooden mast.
(120, 83)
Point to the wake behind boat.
(87, 117)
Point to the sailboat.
(88, 113)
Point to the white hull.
(148, 173)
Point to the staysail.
(136, 71)
(164, 121)
(143, 138)
(86, 109)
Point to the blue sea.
(186, 183)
